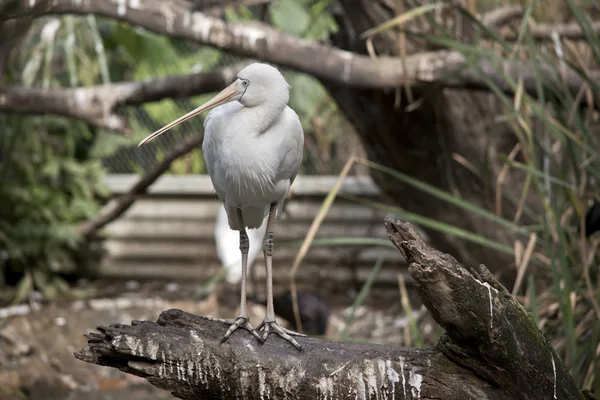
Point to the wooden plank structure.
(169, 233)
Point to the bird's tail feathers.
(254, 217)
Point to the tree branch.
(256, 40)
(201, 367)
(498, 17)
(491, 349)
(97, 104)
(221, 4)
(486, 329)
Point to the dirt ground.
(36, 346)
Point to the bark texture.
(491, 349)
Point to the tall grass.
(561, 162)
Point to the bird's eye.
(245, 82)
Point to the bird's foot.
(267, 327)
(235, 324)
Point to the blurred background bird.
(227, 242)
(253, 148)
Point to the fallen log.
(491, 349)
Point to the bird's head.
(259, 83)
(256, 84)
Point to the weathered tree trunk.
(491, 349)
(422, 142)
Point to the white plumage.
(253, 144)
(253, 153)
(228, 246)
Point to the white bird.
(253, 144)
(227, 243)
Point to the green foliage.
(50, 179)
(290, 16)
(47, 187)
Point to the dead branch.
(117, 207)
(257, 40)
(491, 349)
(221, 4)
(498, 17)
(571, 31)
(97, 104)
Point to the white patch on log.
(392, 376)
(191, 367)
(382, 373)
(491, 303)
(197, 341)
(371, 378)
(134, 4)
(489, 288)
(402, 373)
(201, 376)
(162, 367)
(325, 388)
(554, 370)
(152, 350)
(263, 389)
(134, 344)
(361, 390)
(204, 370)
(116, 341)
(31, 3)
(244, 382)
(415, 380)
(182, 374)
(249, 346)
(122, 7)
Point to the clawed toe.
(240, 322)
(267, 327)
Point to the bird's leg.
(242, 320)
(269, 324)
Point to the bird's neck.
(264, 115)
